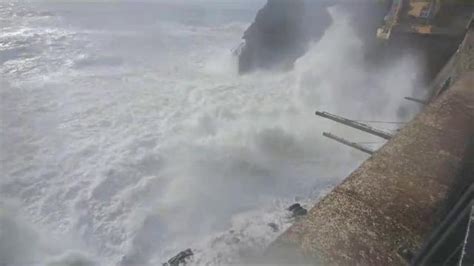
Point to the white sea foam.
(132, 144)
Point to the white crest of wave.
(21, 244)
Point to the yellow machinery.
(391, 20)
(418, 17)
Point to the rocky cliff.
(281, 32)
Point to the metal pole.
(467, 255)
(356, 125)
(348, 143)
(416, 100)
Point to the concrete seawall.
(394, 200)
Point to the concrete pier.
(386, 209)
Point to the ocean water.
(127, 136)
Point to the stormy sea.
(127, 134)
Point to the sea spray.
(135, 139)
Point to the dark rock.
(283, 30)
(281, 33)
(274, 227)
(297, 210)
(294, 207)
(180, 258)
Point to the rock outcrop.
(283, 30)
(281, 33)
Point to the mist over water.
(127, 135)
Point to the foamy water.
(127, 136)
